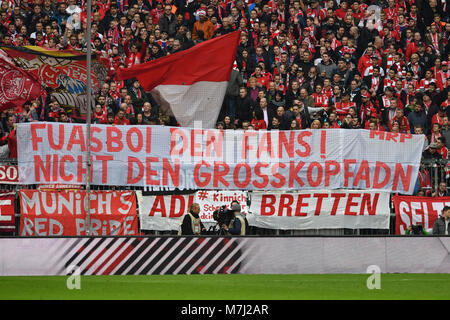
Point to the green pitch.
(229, 287)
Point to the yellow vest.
(195, 223)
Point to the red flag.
(16, 86)
(192, 82)
(7, 212)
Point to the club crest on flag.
(12, 84)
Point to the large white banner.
(164, 212)
(197, 158)
(322, 209)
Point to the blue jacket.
(236, 229)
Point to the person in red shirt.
(320, 99)
(374, 123)
(334, 121)
(100, 115)
(157, 12)
(121, 119)
(327, 89)
(357, 12)
(258, 120)
(435, 132)
(441, 149)
(442, 75)
(366, 60)
(425, 82)
(446, 102)
(401, 119)
(439, 116)
(261, 80)
(391, 11)
(413, 46)
(343, 106)
(133, 55)
(341, 11)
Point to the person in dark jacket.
(326, 68)
(238, 225)
(244, 106)
(442, 224)
(191, 223)
(232, 93)
(168, 22)
(431, 152)
(418, 117)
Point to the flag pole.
(88, 119)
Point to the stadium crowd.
(373, 64)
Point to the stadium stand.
(371, 64)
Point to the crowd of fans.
(373, 64)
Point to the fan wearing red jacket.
(441, 75)
(262, 79)
(134, 56)
(413, 46)
(344, 105)
(446, 103)
(121, 119)
(366, 60)
(327, 89)
(341, 11)
(374, 123)
(425, 82)
(425, 181)
(157, 12)
(320, 99)
(441, 149)
(357, 11)
(258, 121)
(402, 121)
(316, 12)
(100, 115)
(439, 116)
(391, 11)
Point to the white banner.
(216, 159)
(164, 212)
(322, 209)
(211, 200)
(9, 174)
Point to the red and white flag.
(17, 86)
(191, 83)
